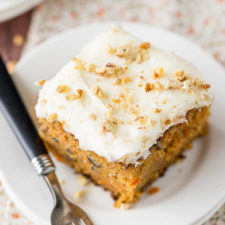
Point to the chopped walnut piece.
(98, 91)
(93, 116)
(167, 122)
(158, 73)
(132, 53)
(110, 70)
(110, 50)
(110, 125)
(126, 80)
(145, 45)
(62, 89)
(117, 81)
(40, 83)
(141, 119)
(79, 64)
(52, 117)
(78, 95)
(91, 68)
(116, 100)
(205, 86)
(149, 87)
(157, 110)
(179, 73)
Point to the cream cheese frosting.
(120, 94)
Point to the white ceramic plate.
(189, 192)
(12, 8)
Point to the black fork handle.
(17, 116)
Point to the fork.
(11, 105)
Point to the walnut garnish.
(145, 45)
(158, 73)
(110, 70)
(149, 87)
(117, 81)
(110, 125)
(93, 116)
(116, 100)
(52, 117)
(110, 50)
(62, 89)
(78, 95)
(132, 53)
(205, 86)
(98, 91)
(126, 80)
(167, 122)
(40, 83)
(141, 119)
(180, 73)
(79, 64)
(91, 67)
(157, 110)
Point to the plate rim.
(45, 43)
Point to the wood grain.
(8, 30)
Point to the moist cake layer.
(125, 182)
(120, 94)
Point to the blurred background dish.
(12, 8)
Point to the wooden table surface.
(13, 36)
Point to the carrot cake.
(122, 111)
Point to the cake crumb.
(153, 190)
(82, 180)
(40, 83)
(79, 194)
(125, 206)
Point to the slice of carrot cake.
(122, 111)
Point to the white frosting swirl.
(144, 115)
